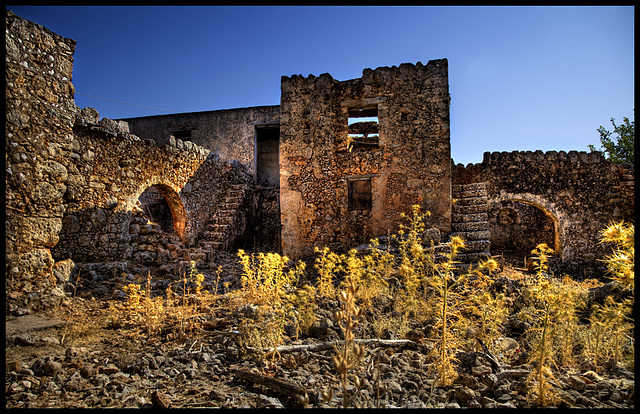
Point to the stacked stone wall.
(408, 165)
(230, 133)
(113, 169)
(580, 192)
(40, 113)
(73, 179)
(109, 169)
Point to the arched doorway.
(163, 206)
(518, 226)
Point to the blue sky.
(520, 78)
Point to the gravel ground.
(75, 358)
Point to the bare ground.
(77, 356)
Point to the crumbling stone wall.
(73, 179)
(338, 192)
(580, 192)
(40, 113)
(115, 169)
(109, 169)
(230, 133)
(517, 228)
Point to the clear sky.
(520, 78)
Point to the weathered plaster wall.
(410, 164)
(229, 133)
(581, 192)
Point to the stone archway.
(156, 208)
(531, 216)
(178, 214)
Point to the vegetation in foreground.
(465, 307)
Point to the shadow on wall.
(103, 235)
(517, 227)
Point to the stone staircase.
(227, 223)
(469, 220)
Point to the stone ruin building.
(335, 164)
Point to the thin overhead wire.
(126, 103)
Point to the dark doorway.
(267, 225)
(267, 156)
(156, 208)
(360, 197)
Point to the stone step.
(477, 208)
(472, 257)
(469, 193)
(467, 187)
(473, 235)
(208, 245)
(229, 199)
(225, 212)
(213, 235)
(471, 201)
(217, 245)
(222, 220)
(464, 218)
(472, 246)
(231, 206)
(217, 228)
(470, 226)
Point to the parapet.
(539, 156)
(381, 73)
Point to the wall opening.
(363, 128)
(163, 206)
(156, 208)
(267, 156)
(518, 226)
(182, 132)
(359, 193)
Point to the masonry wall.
(38, 134)
(229, 133)
(410, 163)
(581, 192)
(109, 169)
(73, 179)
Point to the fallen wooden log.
(281, 386)
(399, 343)
(490, 357)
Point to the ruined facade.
(340, 186)
(560, 198)
(335, 164)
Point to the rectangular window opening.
(360, 197)
(183, 135)
(363, 128)
(182, 132)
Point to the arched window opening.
(517, 227)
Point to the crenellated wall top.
(540, 156)
(380, 73)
